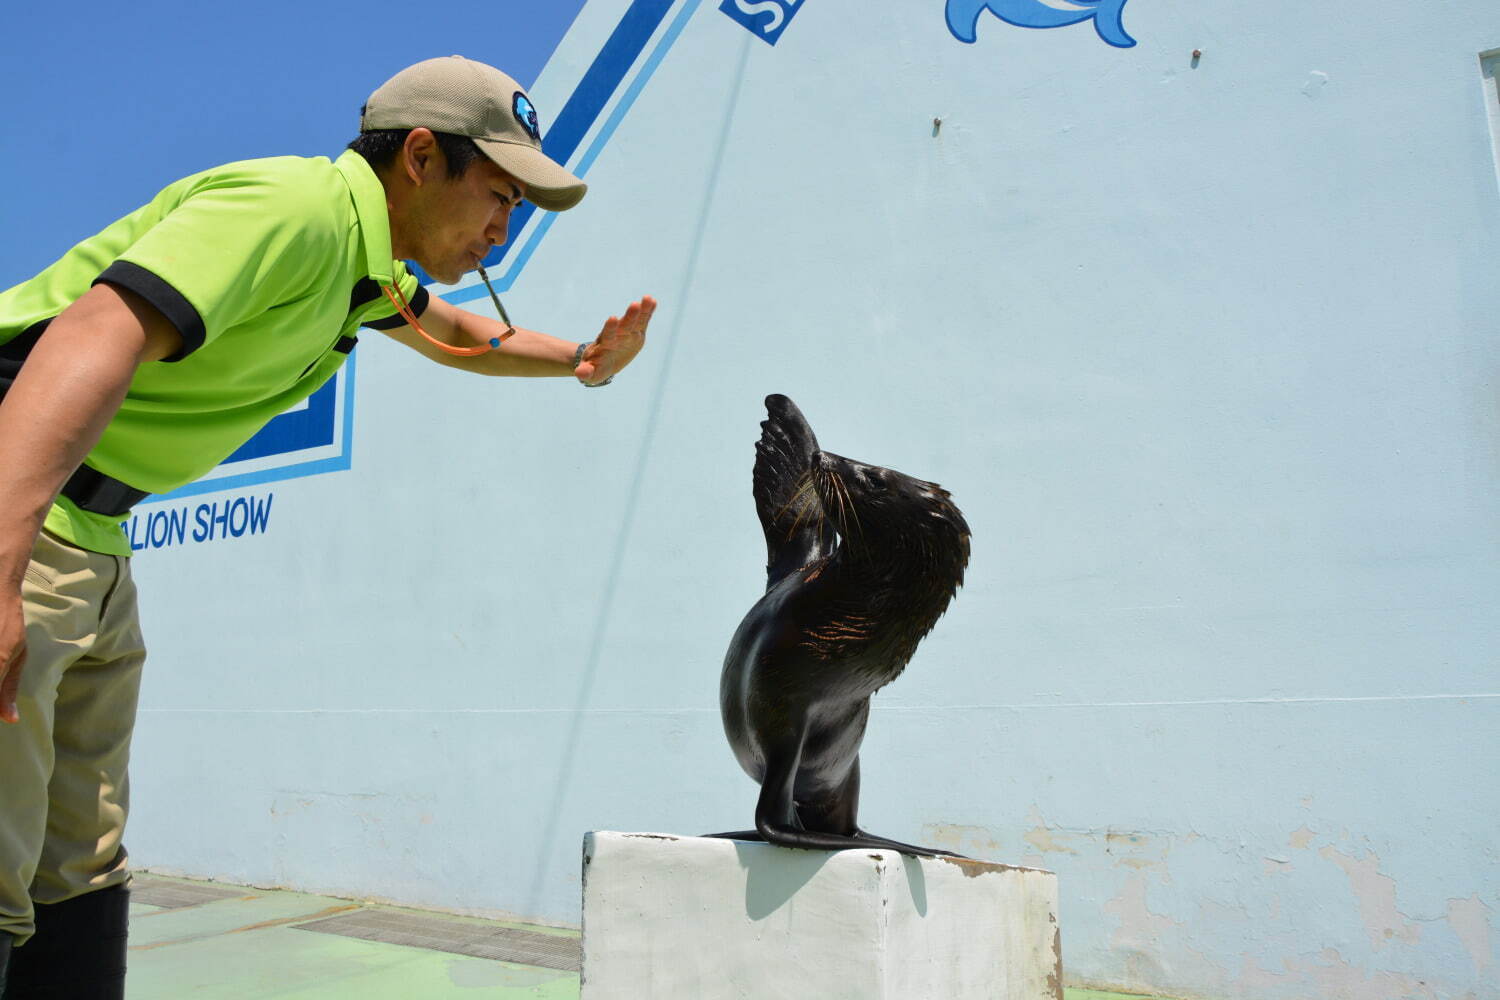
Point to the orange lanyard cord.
(404, 308)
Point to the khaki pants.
(63, 786)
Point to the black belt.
(90, 489)
(97, 493)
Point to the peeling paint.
(1332, 977)
(1139, 929)
(1040, 836)
(961, 838)
(974, 869)
(1158, 946)
(1338, 979)
(1254, 980)
(1316, 81)
(1376, 894)
(1470, 920)
(1055, 978)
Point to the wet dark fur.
(861, 563)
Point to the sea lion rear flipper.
(797, 532)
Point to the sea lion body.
(862, 561)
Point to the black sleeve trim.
(14, 352)
(418, 302)
(167, 300)
(365, 292)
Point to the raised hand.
(617, 344)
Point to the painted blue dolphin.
(963, 16)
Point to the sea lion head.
(871, 505)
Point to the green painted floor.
(209, 941)
(248, 946)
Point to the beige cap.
(464, 97)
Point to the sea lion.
(861, 562)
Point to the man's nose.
(499, 227)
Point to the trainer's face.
(452, 222)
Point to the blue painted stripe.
(573, 122)
(335, 463)
(338, 463)
(593, 92)
(309, 427)
(508, 279)
(639, 84)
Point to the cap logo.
(525, 113)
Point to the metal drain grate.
(177, 895)
(504, 944)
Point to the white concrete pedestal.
(691, 918)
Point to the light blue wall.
(1207, 356)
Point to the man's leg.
(78, 951)
(57, 631)
(78, 887)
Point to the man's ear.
(421, 157)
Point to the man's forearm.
(523, 353)
(70, 386)
(49, 420)
(529, 353)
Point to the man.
(146, 356)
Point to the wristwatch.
(578, 360)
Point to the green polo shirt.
(267, 268)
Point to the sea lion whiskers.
(803, 511)
(803, 487)
(848, 512)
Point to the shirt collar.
(374, 217)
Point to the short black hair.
(380, 146)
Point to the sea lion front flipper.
(797, 532)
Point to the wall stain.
(961, 838)
(1055, 978)
(1140, 930)
(1143, 938)
(1375, 893)
(973, 869)
(1470, 920)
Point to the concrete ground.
(209, 940)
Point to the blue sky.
(111, 102)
